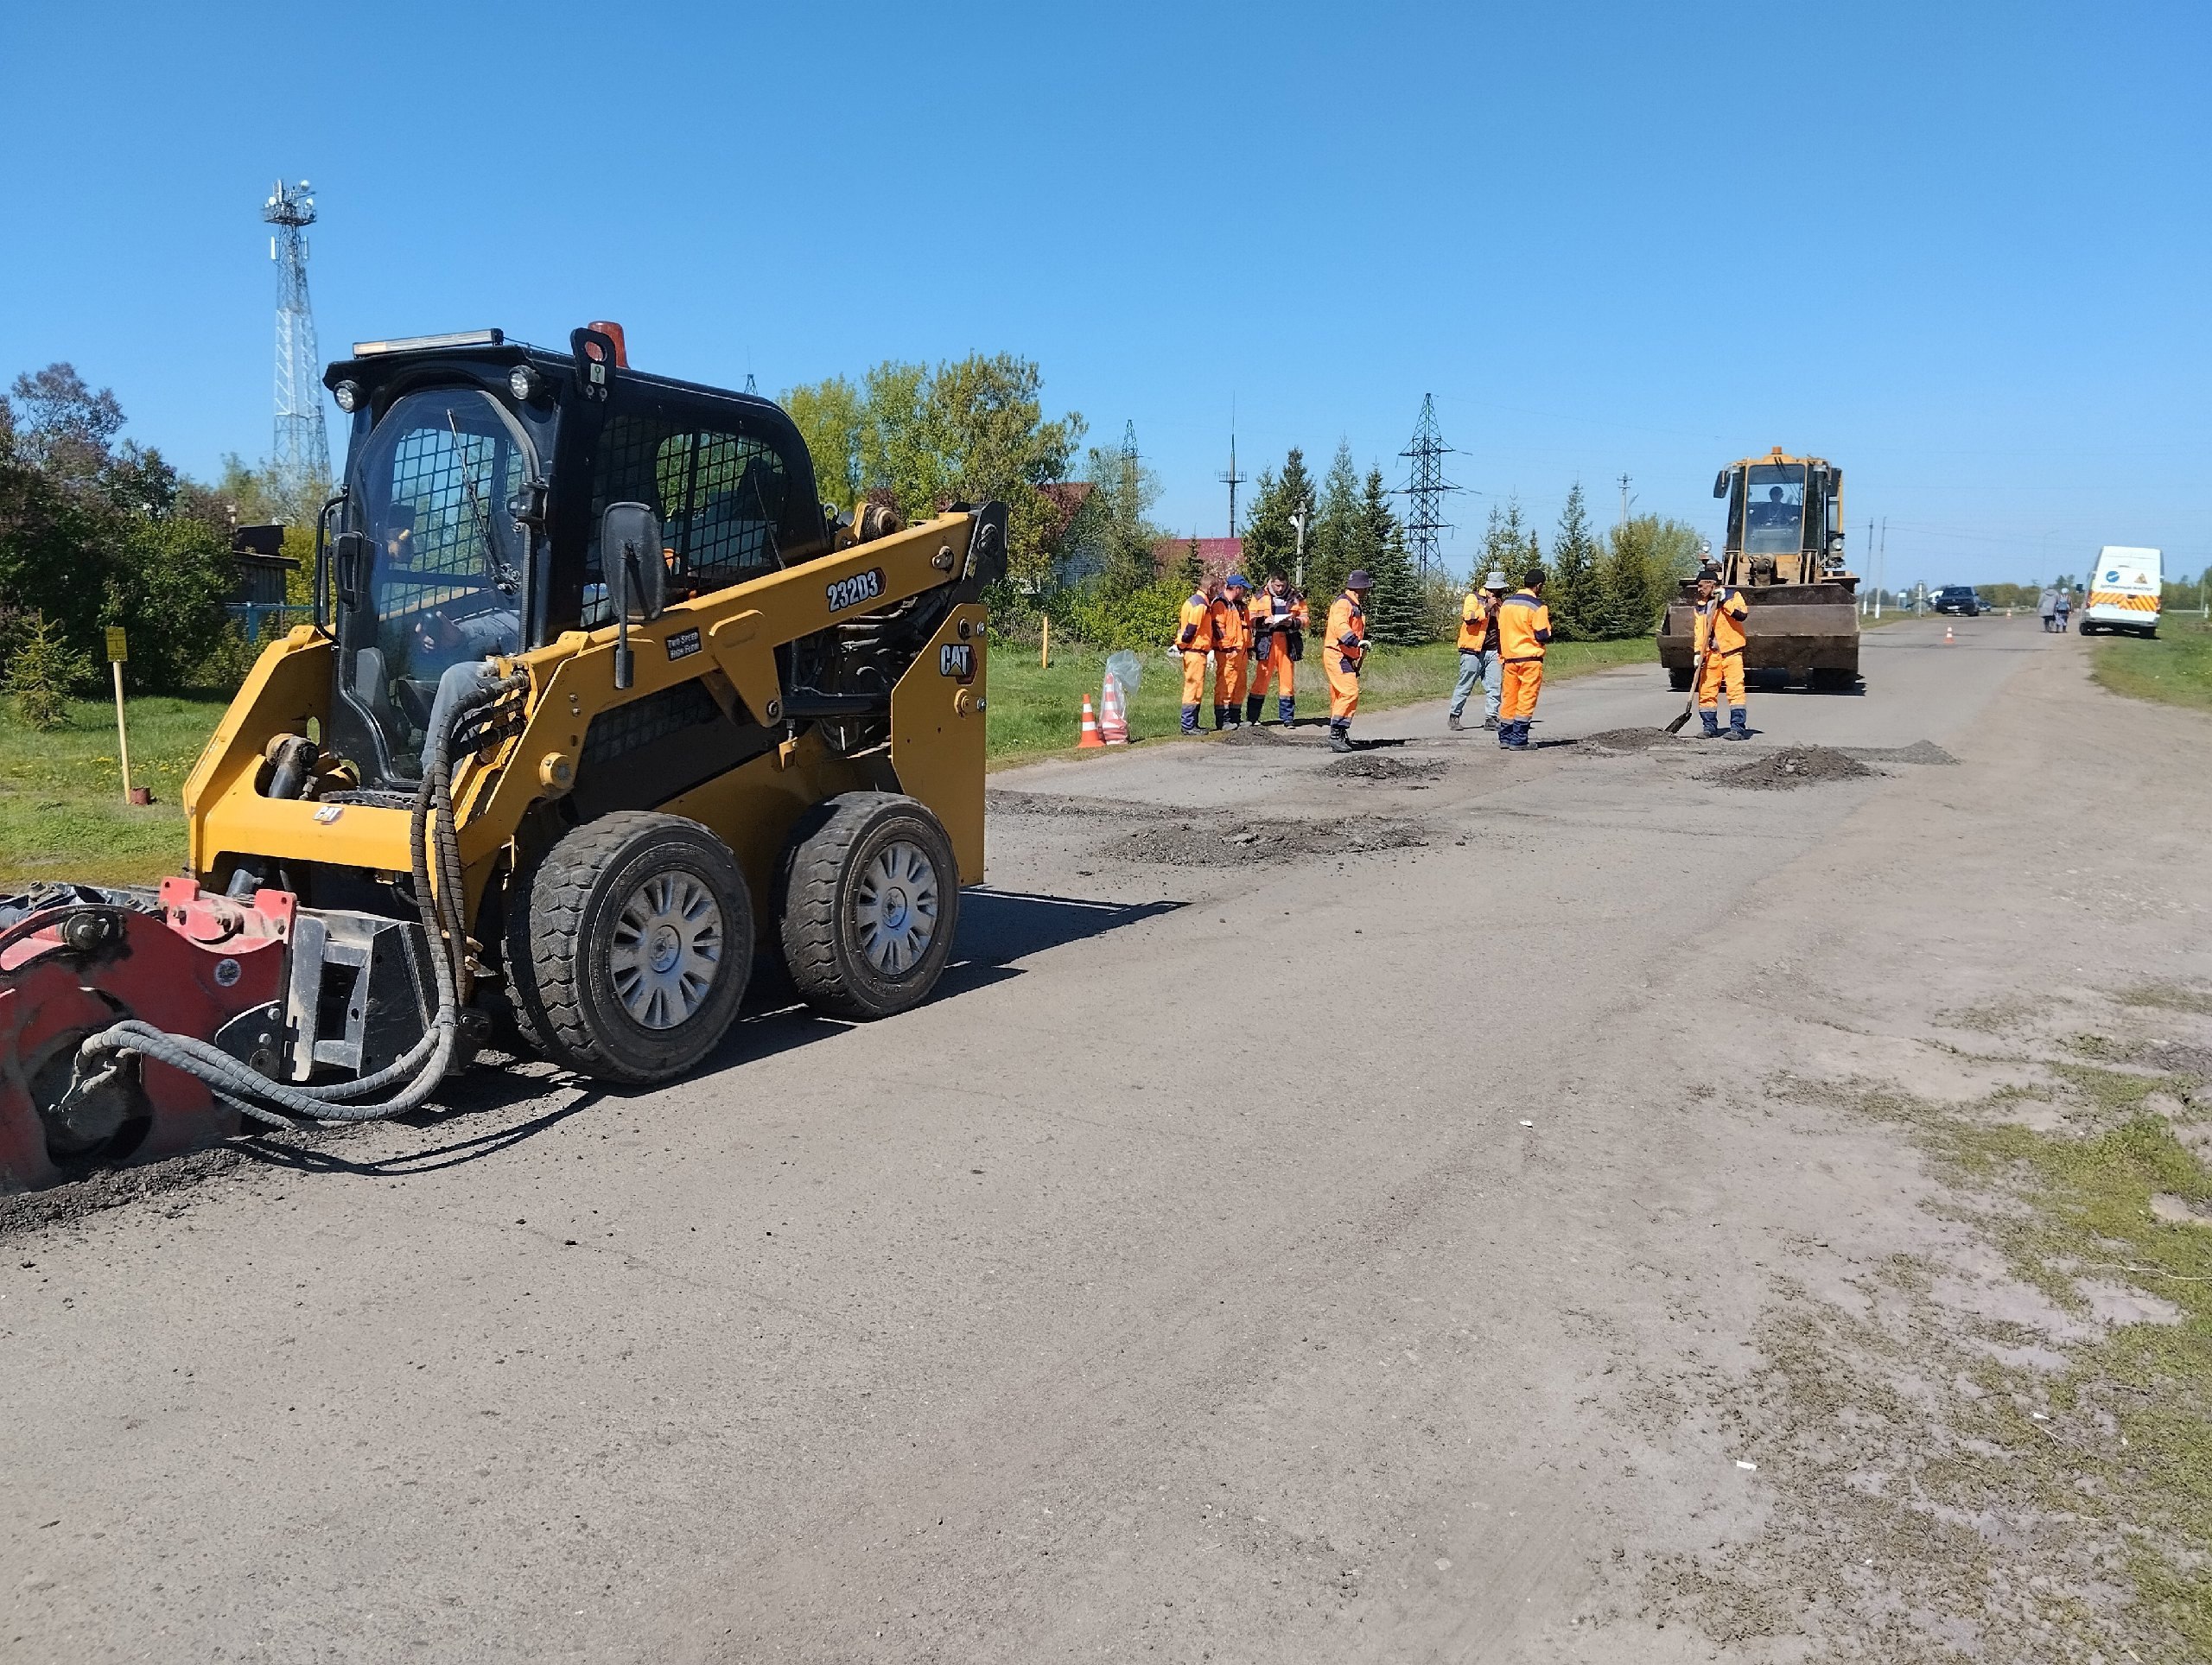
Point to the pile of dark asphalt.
(1792, 767)
(1628, 739)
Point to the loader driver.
(1343, 649)
(1719, 644)
(1193, 641)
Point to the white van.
(2124, 592)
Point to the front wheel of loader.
(868, 898)
(638, 942)
(1678, 678)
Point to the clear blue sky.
(1961, 250)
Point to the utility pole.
(1425, 488)
(1297, 519)
(1624, 499)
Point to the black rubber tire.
(1835, 682)
(817, 884)
(559, 975)
(1678, 679)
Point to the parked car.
(1960, 598)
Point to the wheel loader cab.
(1785, 520)
(478, 478)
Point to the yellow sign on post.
(118, 652)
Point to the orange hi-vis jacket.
(1475, 621)
(1232, 632)
(1194, 625)
(1719, 622)
(1347, 628)
(1524, 627)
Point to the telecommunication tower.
(1425, 489)
(1232, 479)
(302, 453)
(1132, 464)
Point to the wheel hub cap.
(895, 908)
(667, 950)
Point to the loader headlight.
(348, 395)
(525, 383)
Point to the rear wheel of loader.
(867, 896)
(638, 944)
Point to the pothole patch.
(1382, 766)
(1194, 843)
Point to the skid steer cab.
(599, 700)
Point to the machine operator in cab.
(1719, 644)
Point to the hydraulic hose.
(431, 839)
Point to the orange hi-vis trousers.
(1194, 675)
(1228, 676)
(1277, 666)
(1524, 679)
(1721, 672)
(1343, 685)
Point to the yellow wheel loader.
(599, 698)
(1783, 549)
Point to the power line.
(303, 442)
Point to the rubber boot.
(1220, 718)
(1285, 711)
(1190, 719)
(1505, 736)
(1520, 735)
(1340, 737)
(1712, 721)
(1737, 716)
(1253, 702)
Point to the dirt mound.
(1628, 739)
(1252, 734)
(1921, 750)
(1369, 766)
(1196, 844)
(1793, 765)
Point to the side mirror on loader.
(1720, 484)
(637, 578)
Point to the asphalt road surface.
(1345, 1256)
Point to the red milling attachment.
(187, 962)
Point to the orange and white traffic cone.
(1113, 716)
(1947, 637)
(1090, 736)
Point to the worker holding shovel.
(1719, 645)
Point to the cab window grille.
(720, 497)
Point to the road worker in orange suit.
(1193, 641)
(1524, 630)
(1718, 642)
(1343, 649)
(1278, 620)
(1232, 642)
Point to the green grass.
(1036, 712)
(61, 809)
(62, 814)
(2174, 668)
